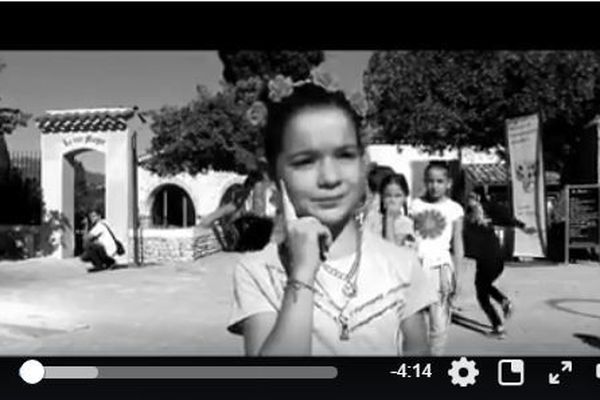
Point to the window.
(172, 207)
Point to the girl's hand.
(409, 241)
(393, 210)
(305, 238)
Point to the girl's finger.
(289, 212)
(325, 241)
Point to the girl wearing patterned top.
(438, 226)
(328, 289)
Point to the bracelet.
(297, 285)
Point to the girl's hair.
(396, 179)
(253, 177)
(236, 194)
(438, 165)
(96, 210)
(376, 176)
(304, 97)
(254, 232)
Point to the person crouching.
(99, 245)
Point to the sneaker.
(507, 309)
(498, 332)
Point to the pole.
(165, 206)
(136, 216)
(184, 201)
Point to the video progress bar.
(33, 372)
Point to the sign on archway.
(111, 131)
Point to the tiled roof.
(487, 174)
(497, 174)
(85, 120)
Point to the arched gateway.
(111, 131)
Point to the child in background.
(484, 246)
(373, 220)
(438, 225)
(397, 226)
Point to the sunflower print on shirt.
(430, 224)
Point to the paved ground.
(50, 307)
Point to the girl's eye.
(300, 162)
(349, 155)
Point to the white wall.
(399, 158)
(205, 190)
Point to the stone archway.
(111, 131)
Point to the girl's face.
(393, 197)
(437, 183)
(322, 165)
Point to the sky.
(38, 81)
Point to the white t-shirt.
(391, 286)
(434, 225)
(104, 237)
(373, 218)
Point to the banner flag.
(527, 184)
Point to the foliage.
(242, 65)
(441, 99)
(20, 209)
(212, 131)
(23, 205)
(87, 195)
(10, 119)
(53, 226)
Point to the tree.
(441, 99)
(14, 208)
(242, 65)
(212, 130)
(209, 132)
(10, 119)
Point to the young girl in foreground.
(397, 226)
(366, 297)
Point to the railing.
(28, 162)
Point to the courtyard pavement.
(54, 307)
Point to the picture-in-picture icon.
(511, 372)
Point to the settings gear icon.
(463, 372)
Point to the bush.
(21, 200)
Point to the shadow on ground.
(559, 304)
(470, 324)
(590, 340)
(113, 268)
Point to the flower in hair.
(257, 114)
(359, 103)
(324, 79)
(280, 87)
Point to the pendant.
(345, 332)
(349, 290)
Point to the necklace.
(349, 288)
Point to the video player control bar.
(33, 371)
